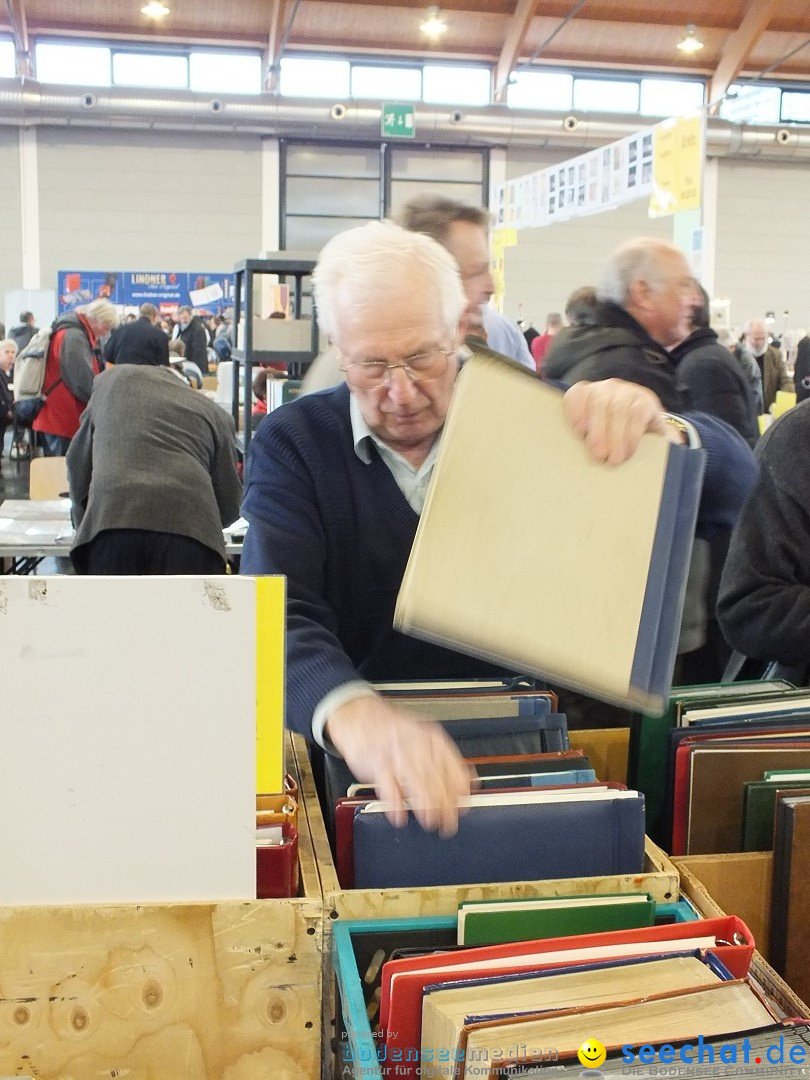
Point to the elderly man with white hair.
(72, 363)
(336, 483)
(769, 361)
(8, 353)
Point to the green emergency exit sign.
(397, 122)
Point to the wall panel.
(763, 240)
(10, 213)
(147, 200)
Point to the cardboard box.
(740, 884)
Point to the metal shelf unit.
(245, 356)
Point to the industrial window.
(386, 83)
(73, 65)
(305, 77)
(796, 106)
(150, 70)
(446, 84)
(7, 65)
(670, 97)
(541, 90)
(606, 95)
(752, 104)
(226, 73)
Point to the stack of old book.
(723, 743)
(790, 900)
(624, 974)
(537, 809)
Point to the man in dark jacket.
(139, 342)
(712, 377)
(8, 352)
(23, 333)
(764, 604)
(644, 307)
(801, 373)
(194, 336)
(646, 300)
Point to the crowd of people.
(338, 477)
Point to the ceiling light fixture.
(690, 43)
(154, 9)
(434, 25)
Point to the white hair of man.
(368, 266)
(641, 259)
(101, 314)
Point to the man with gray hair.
(335, 485)
(644, 308)
(768, 359)
(72, 362)
(139, 342)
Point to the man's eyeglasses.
(369, 374)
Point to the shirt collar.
(361, 432)
(363, 437)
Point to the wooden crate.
(229, 991)
(740, 884)
(660, 879)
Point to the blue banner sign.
(208, 293)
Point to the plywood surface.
(192, 992)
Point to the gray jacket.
(151, 453)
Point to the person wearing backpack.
(72, 363)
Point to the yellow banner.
(677, 166)
(501, 240)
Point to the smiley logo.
(592, 1054)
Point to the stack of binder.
(500, 1007)
(537, 811)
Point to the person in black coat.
(139, 342)
(8, 353)
(713, 379)
(801, 373)
(194, 336)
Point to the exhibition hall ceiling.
(740, 37)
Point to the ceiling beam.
(19, 29)
(758, 14)
(275, 42)
(519, 24)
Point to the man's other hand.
(406, 759)
(611, 416)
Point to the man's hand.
(405, 758)
(611, 417)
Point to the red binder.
(404, 980)
(277, 866)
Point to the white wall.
(10, 213)
(143, 200)
(763, 249)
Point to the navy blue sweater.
(341, 532)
